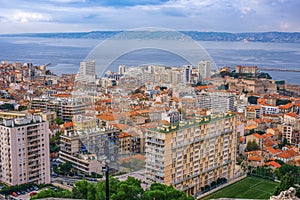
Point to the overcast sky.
(20, 16)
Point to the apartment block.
(83, 151)
(24, 151)
(64, 108)
(192, 154)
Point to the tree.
(54, 142)
(285, 169)
(91, 192)
(66, 167)
(130, 189)
(285, 183)
(161, 191)
(80, 189)
(154, 194)
(252, 146)
(283, 143)
(21, 108)
(58, 121)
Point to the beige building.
(74, 149)
(287, 131)
(190, 155)
(24, 151)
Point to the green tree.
(129, 189)
(285, 169)
(252, 146)
(285, 183)
(65, 168)
(21, 108)
(58, 121)
(100, 188)
(91, 192)
(163, 192)
(80, 189)
(283, 143)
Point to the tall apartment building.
(87, 72)
(186, 73)
(287, 131)
(204, 69)
(122, 69)
(190, 155)
(24, 151)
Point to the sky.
(27, 16)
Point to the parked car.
(33, 193)
(14, 194)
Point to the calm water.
(65, 55)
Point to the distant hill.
(200, 36)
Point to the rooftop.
(168, 128)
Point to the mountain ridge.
(280, 37)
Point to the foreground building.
(74, 148)
(24, 151)
(190, 155)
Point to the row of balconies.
(203, 171)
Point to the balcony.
(202, 172)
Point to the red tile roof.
(286, 106)
(287, 154)
(257, 136)
(272, 150)
(254, 158)
(292, 114)
(273, 164)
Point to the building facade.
(190, 155)
(24, 151)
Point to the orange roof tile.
(286, 106)
(122, 135)
(242, 139)
(272, 150)
(254, 106)
(257, 136)
(287, 154)
(273, 164)
(292, 114)
(121, 126)
(250, 127)
(106, 117)
(68, 124)
(254, 158)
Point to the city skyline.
(208, 15)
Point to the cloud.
(67, 1)
(284, 26)
(247, 10)
(205, 15)
(24, 17)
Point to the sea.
(64, 54)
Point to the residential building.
(192, 154)
(74, 147)
(287, 131)
(24, 151)
(122, 69)
(246, 69)
(186, 73)
(204, 69)
(87, 72)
